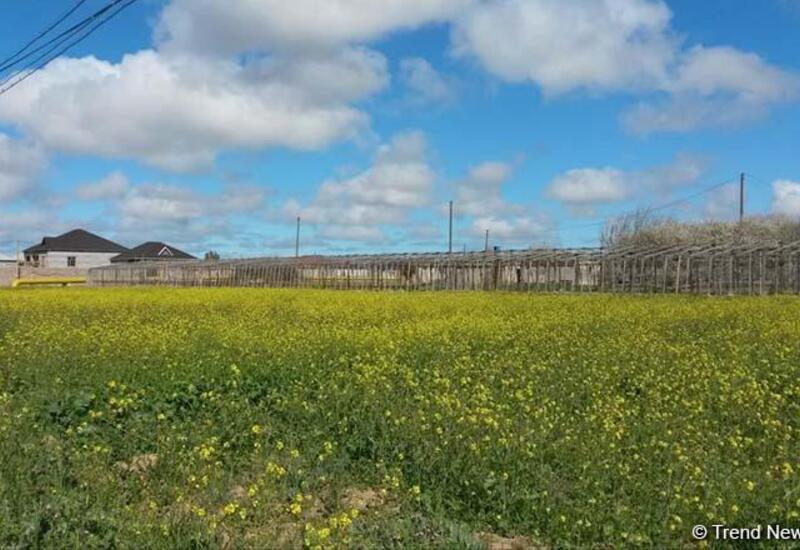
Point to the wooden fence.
(705, 268)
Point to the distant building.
(77, 248)
(151, 252)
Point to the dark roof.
(77, 240)
(152, 251)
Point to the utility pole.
(450, 240)
(19, 267)
(741, 197)
(486, 245)
(297, 240)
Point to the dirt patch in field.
(284, 535)
(496, 542)
(239, 493)
(140, 464)
(363, 499)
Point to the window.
(71, 261)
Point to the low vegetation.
(272, 418)
(644, 229)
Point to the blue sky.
(213, 124)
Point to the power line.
(98, 18)
(58, 39)
(4, 63)
(55, 43)
(671, 204)
(692, 196)
(557, 231)
(109, 13)
(759, 180)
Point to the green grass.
(267, 418)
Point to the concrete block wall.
(8, 272)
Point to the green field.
(267, 418)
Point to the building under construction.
(701, 268)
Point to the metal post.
(450, 240)
(486, 247)
(19, 267)
(741, 197)
(297, 240)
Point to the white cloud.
(622, 45)
(510, 230)
(426, 232)
(255, 74)
(684, 170)
(586, 187)
(161, 203)
(179, 112)
(425, 85)
(479, 196)
(399, 179)
(583, 186)
(12, 222)
(562, 46)
(723, 203)
(712, 87)
(214, 26)
(27, 227)
(240, 198)
(684, 114)
(183, 216)
(480, 193)
(20, 165)
(359, 233)
(170, 204)
(245, 74)
(710, 71)
(786, 198)
(113, 186)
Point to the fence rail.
(701, 268)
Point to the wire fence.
(701, 268)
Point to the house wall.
(84, 260)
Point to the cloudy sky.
(213, 124)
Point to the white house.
(76, 248)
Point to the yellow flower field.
(268, 419)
